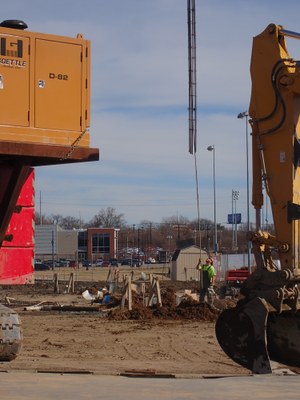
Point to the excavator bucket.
(283, 337)
(252, 336)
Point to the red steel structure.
(17, 251)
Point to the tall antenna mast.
(191, 11)
(192, 76)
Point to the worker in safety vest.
(208, 281)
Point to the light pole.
(138, 246)
(52, 245)
(169, 237)
(133, 240)
(235, 197)
(116, 244)
(213, 150)
(245, 115)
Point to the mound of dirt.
(187, 309)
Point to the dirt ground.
(92, 338)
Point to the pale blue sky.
(139, 114)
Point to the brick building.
(51, 241)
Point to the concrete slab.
(37, 386)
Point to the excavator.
(265, 324)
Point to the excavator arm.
(265, 325)
(275, 111)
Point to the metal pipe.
(291, 34)
(212, 148)
(232, 221)
(245, 115)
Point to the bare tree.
(42, 220)
(56, 219)
(175, 220)
(70, 223)
(108, 218)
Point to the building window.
(83, 241)
(100, 243)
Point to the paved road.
(37, 386)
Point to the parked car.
(105, 264)
(114, 262)
(135, 262)
(40, 266)
(63, 262)
(86, 263)
(126, 261)
(150, 260)
(52, 263)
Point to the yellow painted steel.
(275, 110)
(44, 88)
(265, 324)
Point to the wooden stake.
(127, 294)
(71, 283)
(108, 275)
(56, 283)
(154, 290)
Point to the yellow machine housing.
(45, 106)
(265, 324)
(275, 112)
(44, 120)
(44, 87)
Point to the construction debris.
(87, 295)
(151, 299)
(40, 306)
(145, 373)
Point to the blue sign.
(234, 219)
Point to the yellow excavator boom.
(274, 112)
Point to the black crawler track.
(10, 334)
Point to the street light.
(116, 244)
(169, 237)
(52, 245)
(235, 197)
(212, 148)
(133, 240)
(138, 243)
(245, 115)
